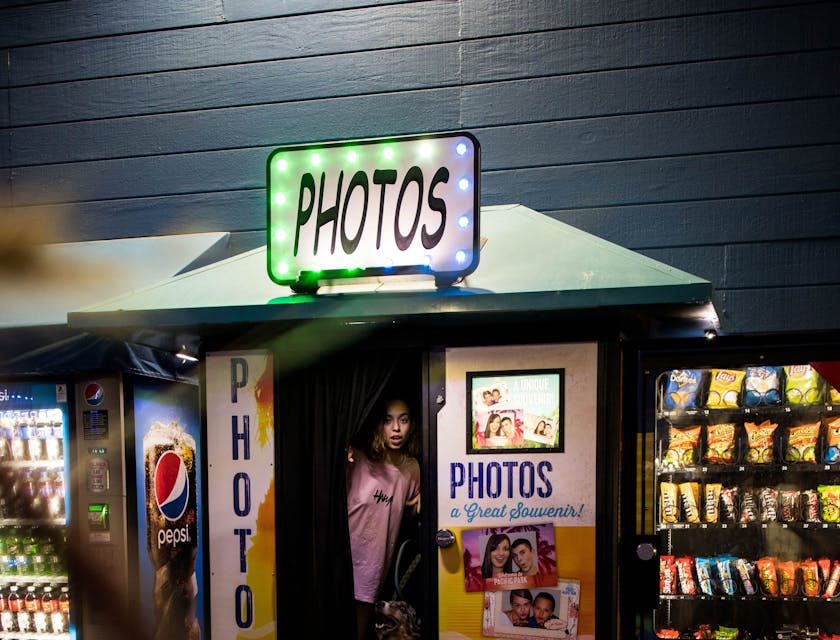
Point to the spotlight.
(710, 334)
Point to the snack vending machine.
(744, 450)
(34, 586)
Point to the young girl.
(383, 483)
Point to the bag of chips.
(729, 504)
(682, 447)
(810, 577)
(723, 564)
(762, 386)
(767, 576)
(724, 388)
(802, 384)
(685, 574)
(720, 443)
(703, 566)
(802, 443)
(767, 501)
(745, 574)
(787, 577)
(690, 501)
(669, 506)
(760, 449)
(711, 512)
(829, 502)
(832, 440)
(833, 580)
(749, 508)
(789, 500)
(682, 391)
(667, 575)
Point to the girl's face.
(495, 423)
(396, 424)
(500, 555)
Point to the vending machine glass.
(34, 586)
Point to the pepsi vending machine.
(35, 589)
(139, 507)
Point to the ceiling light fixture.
(185, 355)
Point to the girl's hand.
(414, 504)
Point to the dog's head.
(396, 620)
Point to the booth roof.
(528, 262)
(44, 281)
(51, 279)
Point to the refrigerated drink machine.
(100, 509)
(138, 506)
(34, 592)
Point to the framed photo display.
(515, 411)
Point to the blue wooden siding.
(704, 134)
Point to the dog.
(396, 620)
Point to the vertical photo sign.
(240, 487)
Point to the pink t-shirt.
(376, 497)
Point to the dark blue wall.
(704, 134)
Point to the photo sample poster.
(509, 557)
(515, 411)
(546, 612)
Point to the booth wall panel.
(694, 131)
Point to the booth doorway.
(321, 408)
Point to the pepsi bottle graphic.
(171, 529)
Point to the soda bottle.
(10, 482)
(15, 607)
(55, 438)
(8, 614)
(60, 617)
(17, 444)
(4, 554)
(49, 605)
(31, 551)
(46, 491)
(55, 505)
(31, 607)
(30, 501)
(35, 436)
(5, 451)
(24, 615)
(15, 552)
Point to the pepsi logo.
(172, 489)
(94, 394)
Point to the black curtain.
(320, 409)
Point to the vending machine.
(35, 590)
(738, 501)
(139, 533)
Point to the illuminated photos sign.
(374, 207)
